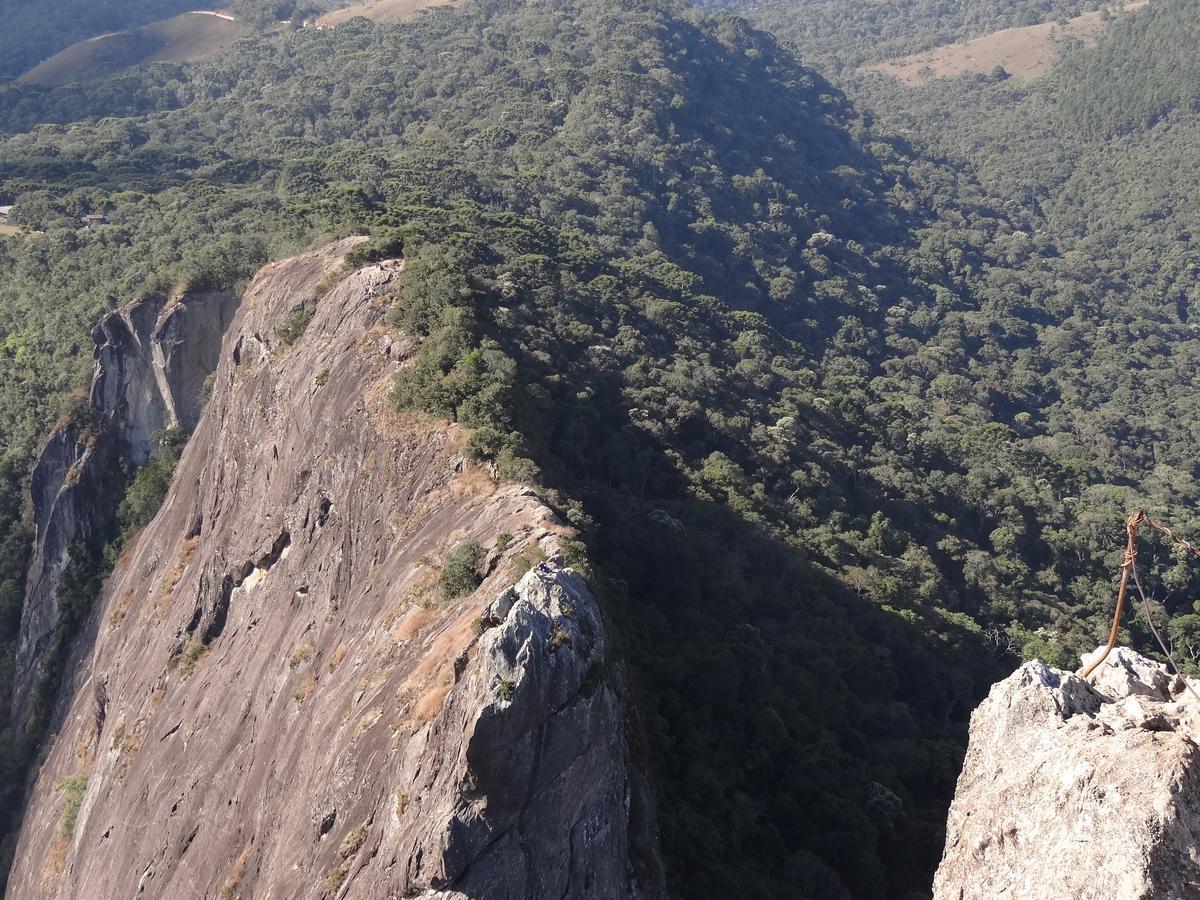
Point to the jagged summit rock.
(1075, 789)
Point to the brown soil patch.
(1023, 52)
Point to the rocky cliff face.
(275, 698)
(1073, 789)
(152, 358)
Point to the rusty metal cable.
(1148, 613)
(1129, 569)
(1131, 525)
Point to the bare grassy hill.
(384, 11)
(1023, 52)
(184, 38)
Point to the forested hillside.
(1096, 157)
(845, 431)
(1141, 72)
(35, 31)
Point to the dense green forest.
(1140, 73)
(1096, 157)
(848, 407)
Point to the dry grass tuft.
(304, 689)
(162, 599)
(301, 655)
(334, 879)
(75, 788)
(415, 621)
(554, 526)
(353, 841)
(234, 879)
(525, 560)
(338, 655)
(127, 744)
(473, 481)
(446, 648)
(121, 608)
(430, 703)
(195, 652)
(86, 746)
(155, 700)
(368, 721)
(409, 428)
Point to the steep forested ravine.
(1095, 157)
(829, 414)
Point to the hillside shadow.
(803, 738)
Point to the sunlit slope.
(383, 11)
(1024, 52)
(184, 38)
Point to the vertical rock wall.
(1079, 790)
(152, 358)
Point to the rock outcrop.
(152, 358)
(276, 697)
(1076, 789)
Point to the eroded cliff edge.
(274, 699)
(1087, 790)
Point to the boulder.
(1078, 790)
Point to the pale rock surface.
(1078, 790)
(274, 700)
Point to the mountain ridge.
(842, 434)
(498, 723)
